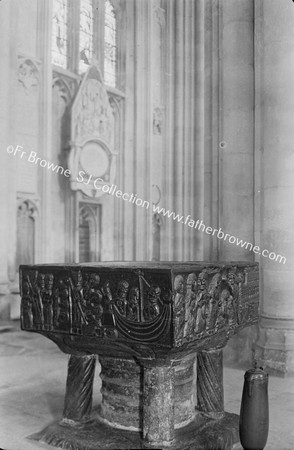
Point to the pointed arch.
(61, 95)
(27, 217)
(89, 245)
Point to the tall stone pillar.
(274, 118)
(236, 145)
(79, 388)
(46, 253)
(210, 391)
(158, 401)
(183, 131)
(188, 127)
(236, 139)
(6, 160)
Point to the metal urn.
(254, 413)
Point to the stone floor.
(32, 386)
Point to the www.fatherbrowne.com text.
(112, 189)
(219, 233)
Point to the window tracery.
(60, 33)
(86, 34)
(110, 45)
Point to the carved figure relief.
(83, 303)
(213, 307)
(201, 297)
(212, 301)
(26, 307)
(222, 305)
(78, 316)
(138, 306)
(47, 300)
(190, 304)
(93, 305)
(28, 76)
(108, 317)
(63, 306)
(179, 309)
(231, 311)
(37, 285)
(94, 113)
(200, 322)
(152, 309)
(92, 135)
(121, 297)
(133, 305)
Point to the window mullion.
(74, 35)
(110, 44)
(100, 35)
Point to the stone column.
(184, 403)
(274, 118)
(6, 182)
(236, 145)
(158, 405)
(7, 179)
(184, 161)
(210, 390)
(44, 39)
(79, 388)
(236, 137)
(121, 392)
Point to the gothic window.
(25, 247)
(86, 34)
(110, 45)
(60, 33)
(89, 246)
(84, 240)
(84, 30)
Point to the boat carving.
(92, 304)
(149, 331)
(140, 317)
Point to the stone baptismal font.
(147, 323)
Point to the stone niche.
(92, 157)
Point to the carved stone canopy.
(92, 155)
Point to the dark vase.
(254, 415)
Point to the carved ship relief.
(132, 306)
(143, 323)
(89, 304)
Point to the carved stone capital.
(28, 74)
